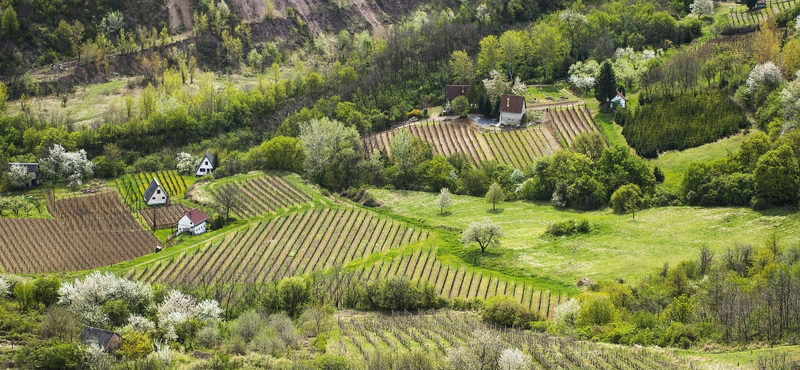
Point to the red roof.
(512, 103)
(196, 216)
(453, 91)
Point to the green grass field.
(619, 247)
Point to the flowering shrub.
(514, 359)
(766, 74)
(179, 308)
(702, 7)
(85, 297)
(5, 287)
(790, 97)
(567, 312)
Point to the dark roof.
(31, 167)
(453, 91)
(512, 103)
(102, 338)
(196, 216)
(152, 189)
(210, 160)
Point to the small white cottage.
(512, 109)
(155, 194)
(206, 164)
(193, 221)
(619, 101)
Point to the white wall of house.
(508, 118)
(184, 225)
(205, 168)
(159, 197)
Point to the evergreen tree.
(10, 23)
(605, 87)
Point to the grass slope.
(618, 247)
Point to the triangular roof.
(154, 185)
(101, 337)
(512, 103)
(30, 167)
(208, 156)
(196, 216)
(453, 91)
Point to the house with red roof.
(193, 221)
(512, 109)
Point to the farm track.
(86, 232)
(298, 243)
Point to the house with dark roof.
(155, 194)
(34, 177)
(206, 164)
(453, 91)
(107, 340)
(512, 109)
(193, 221)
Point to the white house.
(453, 91)
(155, 194)
(206, 164)
(512, 109)
(619, 100)
(193, 221)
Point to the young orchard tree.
(495, 195)
(460, 106)
(702, 8)
(444, 199)
(485, 233)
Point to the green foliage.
(596, 309)
(55, 356)
(332, 362)
(117, 311)
(777, 177)
(135, 345)
(506, 311)
(294, 294)
(10, 24)
(45, 290)
(627, 199)
(680, 122)
(605, 86)
(460, 105)
(495, 195)
(569, 227)
(279, 153)
(25, 296)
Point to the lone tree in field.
(605, 87)
(495, 195)
(444, 199)
(485, 233)
(627, 199)
(227, 197)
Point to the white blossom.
(495, 85)
(648, 54)
(70, 165)
(5, 287)
(519, 88)
(702, 8)
(140, 324)
(567, 312)
(790, 99)
(763, 74)
(161, 354)
(583, 74)
(582, 82)
(514, 359)
(84, 297)
(209, 310)
(186, 162)
(797, 23)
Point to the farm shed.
(193, 221)
(453, 91)
(619, 100)
(512, 109)
(155, 194)
(107, 340)
(33, 172)
(206, 164)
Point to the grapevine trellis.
(86, 232)
(437, 332)
(266, 194)
(294, 244)
(516, 147)
(748, 18)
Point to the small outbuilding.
(34, 177)
(206, 164)
(155, 194)
(107, 340)
(512, 109)
(193, 221)
(619, 101)
(453, 91)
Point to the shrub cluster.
(569, 227)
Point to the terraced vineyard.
(86, 232)
(297, 243)
(265, 194)
(133, 186)
(165, 217)
(519, 147)
(568, 123)
(435, 333)
(461, 281)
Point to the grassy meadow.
(618, 246)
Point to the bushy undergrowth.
(569, 227)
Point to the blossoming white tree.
(186, 163)
(702, 8)
(766, 74)
(513, 359)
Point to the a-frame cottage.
(155, 194)
(206, 164)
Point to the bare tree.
(228, 197)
